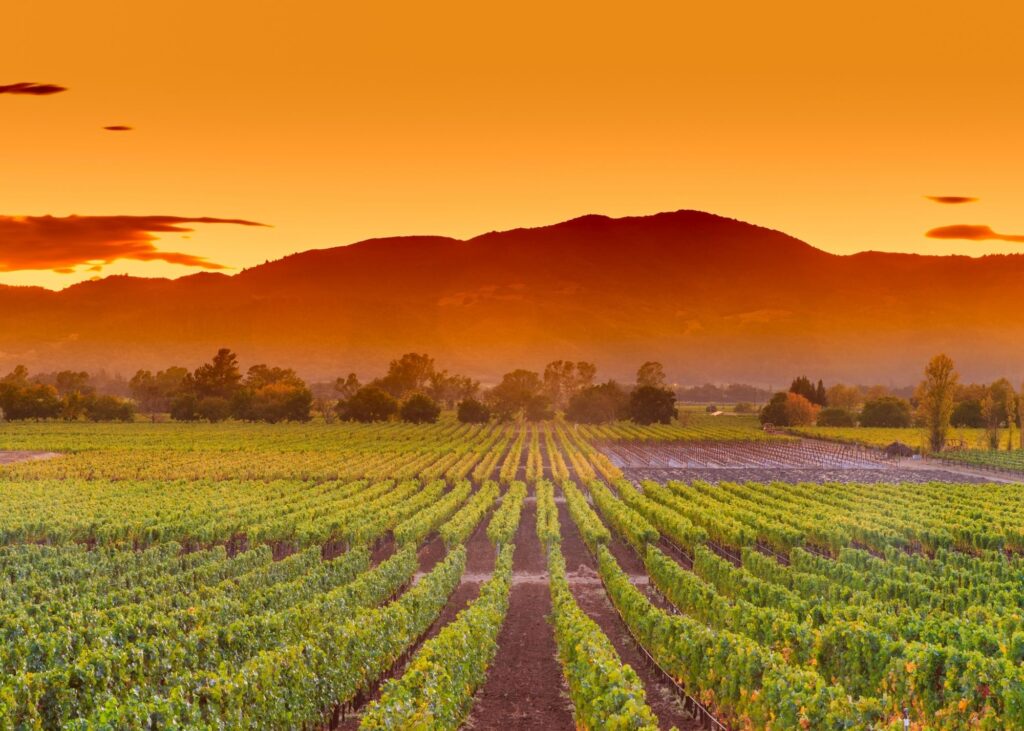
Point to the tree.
(347, 387)
(409, 373)
(991, 415)
(834, 416)
(220, 377)
(815, 394)
(261, 375)
(68, 382)
(213, 408)
(514, 392)
(281, 401)
(327, 409)
(774, 412)
(563, 378)
(650, 405)
(968, 414)
(450, 389)
(598, 404)
(888, 411)
(369, 403)
(109, 408)
(935, 398)
(651, 374)
(419, 409)
(539, 408)
(144, 390)
(155, 393)
(471, 411)
(841, 396)
(185, 407)
(799, 410)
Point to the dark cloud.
(31, 88)
(60, 244)
(118, 128)
(971, 232)
(951, 199)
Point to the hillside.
(711, 297)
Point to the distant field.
(691, 426)
(238, 576)
(881, 437)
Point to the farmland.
(499, 575)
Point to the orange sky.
(334, 122)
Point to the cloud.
(118, 128)
(971, 233)
(60, 244)
(951, 199)
(31, 88)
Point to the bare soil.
(525, 688)
(662, 695)
(10, 457)
(480, 555)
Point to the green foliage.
(652, 405)
(887, 411)
(369, 404)
(598, 404)
(471, 411)
(419, 409)
(436, 691)
(835, 416)
(502, 528)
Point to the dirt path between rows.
(525, 688)
(662, 696)
(480, 555)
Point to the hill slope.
(711, 297)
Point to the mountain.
(712, 298)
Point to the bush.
(420, 409)
(369, 403)
(744, 407)
(711, 409)
(650, 405)
(886, 411)
(471, 411)
(836, 417)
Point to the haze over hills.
(711, 297)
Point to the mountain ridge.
(712, 297)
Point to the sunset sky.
(333, 122)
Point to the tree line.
(939, 402)
(413, 389)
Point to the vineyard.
(494, 576)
